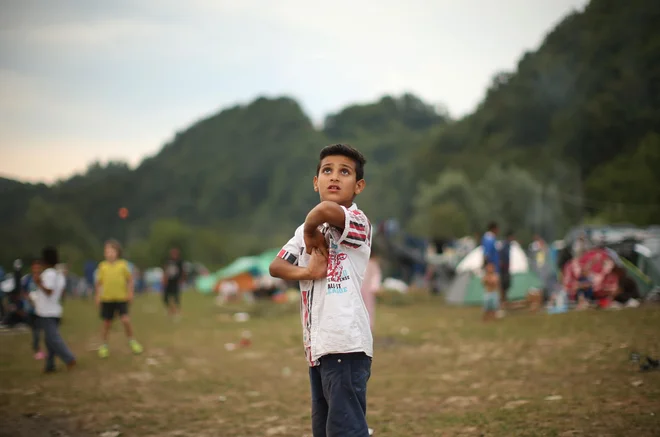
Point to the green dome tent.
(466, 288)
(254, 265)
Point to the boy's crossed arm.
(317, 268)
(315, 244)
(325, 212)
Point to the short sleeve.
(127, 271)
(291, 250)
(357, 229)
(49, 279)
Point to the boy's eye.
(326, 170)
(345, 171)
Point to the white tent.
(474, 261)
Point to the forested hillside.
(573, 134)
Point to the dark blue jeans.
(339, 395)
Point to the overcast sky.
(82, 80)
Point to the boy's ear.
(316, 184)
(359, 186)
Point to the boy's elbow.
(273, 270)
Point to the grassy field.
(437, 370)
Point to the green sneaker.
(104, 351)
(135, 347)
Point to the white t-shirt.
(49, 305)
(333, 315)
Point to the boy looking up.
(328, 254)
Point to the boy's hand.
(130, 297)
(318, 265)
(316, 240)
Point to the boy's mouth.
(333, 188)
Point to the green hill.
(245, 171)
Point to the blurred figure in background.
(47, 303)
(15, 311)
(114, 293)
(489, 245)
(173, 278)
(542, 265)
(29, 287)
(491, 284)
(505, 261)
(371, 284)
(89, 270)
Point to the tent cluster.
(547, 271)
(466, 288)
(247, 274)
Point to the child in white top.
(50, 286)
(328, 255)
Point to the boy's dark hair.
(35, 260)
(510, 234)
(115, 245)
(49, 256)
(492, 226)
(347, 151)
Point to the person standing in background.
(370, 285)
(489, 245)
(505, 267)
(114, 294)
(173, 277)
(47, 304)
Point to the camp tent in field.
(245, 272)
(466, 288)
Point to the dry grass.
(445, 373)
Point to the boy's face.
(337, 180)
(36, 268)
(110, 252)
(490, 268)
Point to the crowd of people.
(558, 296)
(36, 300)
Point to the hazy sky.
(82, 80)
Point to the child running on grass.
(328, 255)
(114, 293)
(50, 286)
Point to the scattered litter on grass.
(462, 401)
(514, 404)
(637, 383)
(404, 331)
(222, 398)
(553, 398)
(277, 430)
(230, 346)
(241, 317)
